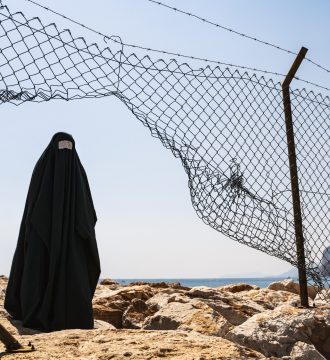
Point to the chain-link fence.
(227, 127)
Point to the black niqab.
(56, 264)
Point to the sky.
(147, 227)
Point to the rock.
(137, 312)
(203, 292)
(230, 306)
(3, 285)
(234, 288)
(256, 322)
(105, 344)
(110, 315)
(134, 305)
(110, 305)
(293, 287)
(159, 300)
(323, 298)
(161, 285)
(178, 298)
(270, 299)
(187, 316)
(234, 313)
(110, 282)
(320, 337)
(143, 292)
(303, 351)
(274, 333)
(99, 324)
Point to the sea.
(260, 282)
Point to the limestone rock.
(108, 281)
(291, 286)
(110, 305)
(109, 315)
(135, 292)
(303, 351)
(270, 299)
(203, 292)
(187, 316)
(323, 298)
(274, 333)
(160, 299)
(99, 324)
(161, 285)
(3, 286)
(190, 324)
(234, 288)
(111, 284)
(231, 306)
(179, 298)
(100, 344)
(137, 312)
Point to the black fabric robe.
(56, 264)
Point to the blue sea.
(261, 282)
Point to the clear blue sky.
(146, 224)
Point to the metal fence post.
(294, 177)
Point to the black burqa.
(56, 264)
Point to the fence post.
(294, 177)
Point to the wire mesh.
(227, 128)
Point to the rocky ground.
(153, 321)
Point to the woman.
(56, 264)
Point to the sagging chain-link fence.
(227, 128)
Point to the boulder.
(203, 292)
(303, 351)
(3, 286)
(270, 299)
(160, 299)
(110, 315)
(196, 316)
(143, 292)
(257, 323)
(234, 288)
(99, 324)
(231, 306)
(112, 284)
(275, 332)
(323, 298)
(106, 344)
(292, 287)
(161, 285)
(137, 312)
(110, 305)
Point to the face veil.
(56, 265)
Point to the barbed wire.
(221, 26)
(235, 32)
(198, 73)
(164, 52)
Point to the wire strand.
(164, 52)
(151, 49)
(235, 32)
(222, 27)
